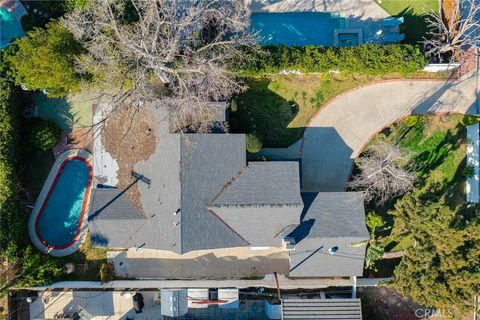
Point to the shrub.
(107, 273)
(412, 120)
(367, 59)
(468, 120)
(45, 135)
(374, 221)
(254, 144)
(374, 254)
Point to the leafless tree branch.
(384, 173)
(453, 32)
(177, 53)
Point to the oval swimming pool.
(59, 219)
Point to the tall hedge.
(368, 59)
(9, 141)
(32, 268)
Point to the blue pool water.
(296, 28)
(10, 26)
(60, 217)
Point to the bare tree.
(384, 173)
(455, 31)
(179, 53)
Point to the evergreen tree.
(442, 268)
(44, 60)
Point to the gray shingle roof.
(261, 201)
(263, 183)
(337, 214)
(330, 219)
(331, 309)
(110, 211)
(208, 162)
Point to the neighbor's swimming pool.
(10, 26)
(59, 220)
(296, 28)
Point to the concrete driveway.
(232, 263)
(338, 132)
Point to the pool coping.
(82, 227)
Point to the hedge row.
(368, 59)
(34, 269)
(9, 141)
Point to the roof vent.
(289, 243)
(333, 250)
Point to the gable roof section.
(261, 201)
(111, 211)
(330, 219)
(336, 214)
(208, 161)
(262, 184)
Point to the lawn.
(413, 11)
(278, 108)
(87, 262)
(438, 147)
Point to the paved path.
(336, 134)
(231, 263)
(267, 282)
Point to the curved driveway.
(336, 134)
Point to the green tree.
(45, 61)
(442, 268)
(45, 135)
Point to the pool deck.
(364, 9)
(41, 199)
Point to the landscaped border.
(53, 176)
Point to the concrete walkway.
(363, 9)
(267, 282)
(231, 263)
(338, 132)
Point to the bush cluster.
(368, 59)
(254, 144)
(107, 272)
(45, 135)
(469, 119)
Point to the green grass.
(87, 261)
(278, 108)
(438, 147)
(413, 11)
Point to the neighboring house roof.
(330, 219)
(345, 309)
